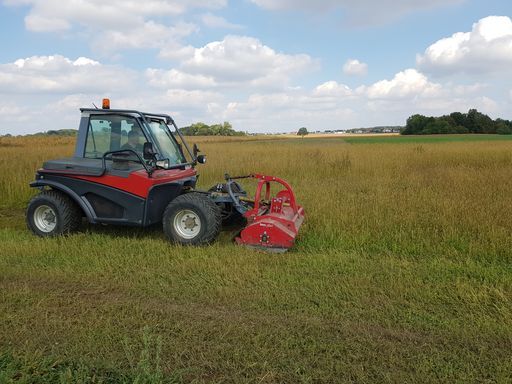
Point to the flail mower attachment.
(273, 221)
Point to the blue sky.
(263, 65)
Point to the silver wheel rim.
(45, 218)
(187, 224)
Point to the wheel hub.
(45, 218)
(187, 224)
(190, 223)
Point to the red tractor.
(130, 168)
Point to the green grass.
(424, 139)
(401, 273)
(232, 314)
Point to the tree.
(503, 127)
(471, 123)
(302, 132)
(216, 130)
(436, 126)
(456, 123)
(202, 129)
(415, 125)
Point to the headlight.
(201, 159)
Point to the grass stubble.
(401, 273)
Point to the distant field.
(423, 138)
(402, 273)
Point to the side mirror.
(148, 152)
(195, 150)
(201, 159)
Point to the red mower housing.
(274, 222)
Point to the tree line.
(456, 122)
(202, 129)
(52, 132)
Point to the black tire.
(192, 219)
(53, 213)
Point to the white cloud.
(469, 89)
(117, 25)
(85, 61)
(213, 21)
(411, 92)
(285, 112)
(176, 51)
(21, 114)
(143, 36)
(406, 84)
(186, 106)
(58, 74)
(332, 105)
(10, 115)
(52, 62)
(245, 60)
(361, 12)
(332, 89)
(177, 79)
(398, 112)
(234, 62)
(486, 49)
(355, 67)
(297, 4)
(69, 104)
(181, 99)
(38, 23)
(46, 15)
(55, 86)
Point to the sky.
(262, 65)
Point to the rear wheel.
(53, 213)
(192, 219)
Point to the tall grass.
(20, 157)
(407, 198)
(401, 273)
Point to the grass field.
(395, 139)
(402, 273)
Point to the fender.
(86, 208)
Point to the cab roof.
(143, 115)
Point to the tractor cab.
(134, 135)
(118, 142)
(127, 166)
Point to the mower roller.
(130, 168)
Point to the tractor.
(135, 168)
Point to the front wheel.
(192, 219)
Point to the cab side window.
(112, 133)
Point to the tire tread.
(69, 212)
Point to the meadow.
(402, 272)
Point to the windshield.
(166, 143)
(113, 133)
